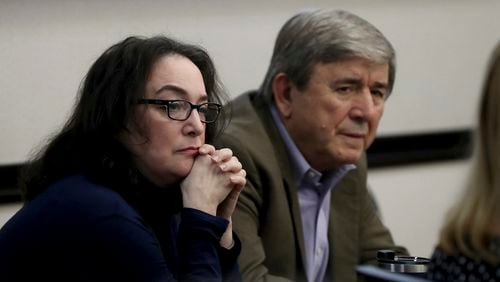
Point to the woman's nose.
(194, 125)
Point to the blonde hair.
(468, 226)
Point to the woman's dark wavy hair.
(88, 141)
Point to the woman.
(129, 190)
(469, 246)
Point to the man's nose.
(363, 105)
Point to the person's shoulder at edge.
(77, 196)
(244, 114)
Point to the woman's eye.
(174, 106)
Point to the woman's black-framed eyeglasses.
(181, 109)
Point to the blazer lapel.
(343, 230)
(287, 174)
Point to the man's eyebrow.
(379, 84)
(348, 80)
(356, 81)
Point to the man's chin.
(350, 157)
(339, 160)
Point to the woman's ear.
(132, 133)
(282, 87)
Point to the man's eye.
(378, 93)
(344, 89)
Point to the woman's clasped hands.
(214, 185)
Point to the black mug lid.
(389, 256)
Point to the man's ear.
(282, 89)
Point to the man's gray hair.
(327, 36)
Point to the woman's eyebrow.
(179, 91)
(172, 88)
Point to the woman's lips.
(189, 150)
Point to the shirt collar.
(303, 170)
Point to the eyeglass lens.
(181, 110)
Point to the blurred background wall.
(442, 47)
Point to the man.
(305, 213)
